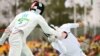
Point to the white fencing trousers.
(18, 46)
(62, 54)
(76, 54)
(26, 51)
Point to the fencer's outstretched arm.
(73, 25)
(46, 28)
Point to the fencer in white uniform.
(22, 26)
(70, 45)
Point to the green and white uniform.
(20, 28)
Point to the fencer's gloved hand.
(86, 23)
(51, 38)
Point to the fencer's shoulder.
(35, 14)
(65, 25)
(26, 12)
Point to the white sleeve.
(72, 25)
(45, 27)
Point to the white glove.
(52, 38)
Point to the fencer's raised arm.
(73, 25)
(69, 26)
